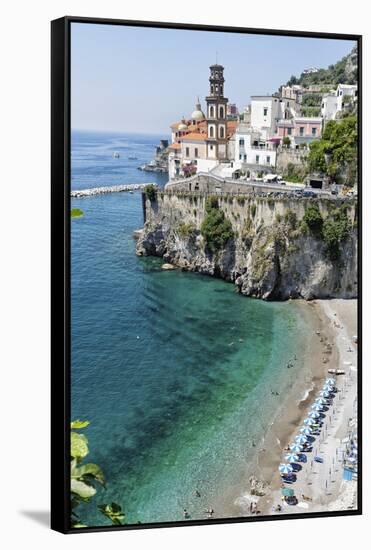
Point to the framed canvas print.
(206, 189)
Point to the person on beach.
(185, 514)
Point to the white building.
(345, 90)
(251, 151)
(329, 107)
(265, 110)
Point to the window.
(221, 131)
(301, 130)
(245, 158)
(265, 111)
(196, 152)
(211, 131)
(268, 159)
(212, 111)
(242, 142)
(187, 151)
(314, 131)
(211, 147)
(240, 156)
(257, 159)
(289, 131)
(221, 112)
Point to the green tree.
(335, 154)
(216, 228)
(313, 219)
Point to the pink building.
(300, 129)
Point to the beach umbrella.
(285, 468)
(317, 407)
(296, 448)
(306, 431)
(331, 381)
(314, 414)
(351, 459)
(324, 393)
(308, 422)
(320, 400)
(292, 457)
(328, 388)
(300, 439)
(287, 492)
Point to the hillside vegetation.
(344, 71)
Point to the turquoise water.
(174, 370)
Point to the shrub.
(241, 200)
(216, 228)
(150, 191)
(278, 218)
(291, 219)
(335, 230)
(185, 229)
(313, 219)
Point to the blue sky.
(129, 79)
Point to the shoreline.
(332, 324)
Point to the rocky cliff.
(274, 251)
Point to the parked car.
(308, 193)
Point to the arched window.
(211, 131)
(221, 112)
(212, 111)
(221, 131)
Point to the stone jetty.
(108, 189)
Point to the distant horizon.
(137, 80)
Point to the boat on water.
(116, 155)
(133, 158)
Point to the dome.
(182, 126)
(197, 113)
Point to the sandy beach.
(319, 486)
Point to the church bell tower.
(216, 115)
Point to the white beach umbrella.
(292, 457)
(331, 381)
(320, 400)
(306, 431)
(309, 421)
(324, 393)
(285, 468)
(300, 439)
(314, 414)
(317, 407)
(296, 448)
(328, 388)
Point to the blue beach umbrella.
(320, 401)
(314, 414)
(306, 431)
(285, 468)
(292, 457)
(328, 388)
(296, 448)
(300, 439)
(331, 381)
(309, 422)
(324, 393)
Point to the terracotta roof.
(174, 146)
(194, 136)
(231, 127)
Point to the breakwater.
(108, 189)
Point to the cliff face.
(271, 256)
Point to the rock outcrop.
(271, 255)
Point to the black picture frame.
(60, 269)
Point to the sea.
(177, 373)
